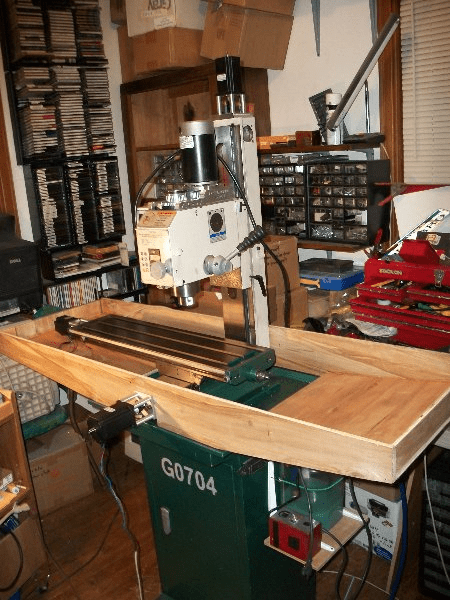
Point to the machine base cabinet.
(210, 521)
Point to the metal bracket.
(142, 405)
(251, 466)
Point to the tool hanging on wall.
(315, 5)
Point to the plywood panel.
(371, 407)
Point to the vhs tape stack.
(60, 102)
(107, 190)
(70, 116)
(88, 32)
(73, 293)
(60, 34)
(82, 201)
(26, 30)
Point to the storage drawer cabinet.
(327, 200)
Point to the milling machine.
(210, 508)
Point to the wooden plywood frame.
(371, 412)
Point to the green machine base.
(209, 510)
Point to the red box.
(290, 532)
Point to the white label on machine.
(188, 476)
(157, 218)
(186, 141)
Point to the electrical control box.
(385, 520)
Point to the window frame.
(391, 99)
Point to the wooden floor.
(91, 555)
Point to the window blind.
(425, 55)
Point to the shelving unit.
(14, 458)
(13, 455)
(324, 199)
(113, 281)
(57, 78)
(154, 107)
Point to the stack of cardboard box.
(257, 31)
(154, 36)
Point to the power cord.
(72, 398)
(369, 538)
(20, 567)
(344, 562)
(401, 565)
(287, 296)
(433, 520)
(307, 569)
(68, 576)
(147, 180)
(136, 548)
(359, 578)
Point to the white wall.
(345, 39)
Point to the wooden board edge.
(420, 435)
(318, 353)
(212, 421)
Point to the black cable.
(343, 562)
(287, 295)
(240, 190)
(369, 539)
(72, 397)
(307, 569)
(88, 562)
(125, 526)
(401, 565)
(20, 569)
(147, 180)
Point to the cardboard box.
(144, 16)
(169, 48)
(34, 556)
(59, 467)
(298, 311)
(259, 38)
(385, 521)
(285, 249)
(267, 141)
(282, 7)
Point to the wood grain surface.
(371, 412)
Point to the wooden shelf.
(344, 530)
(8, 499)
(6, 411)
(331, 246)
(311, 149)
(12, 451)
(160, 148)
